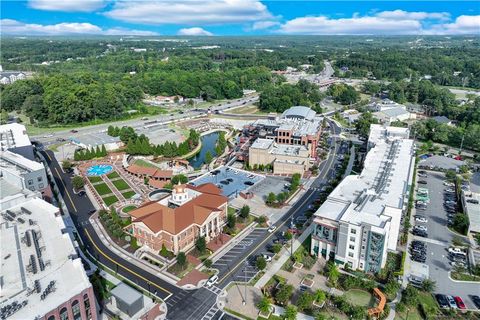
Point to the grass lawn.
(143, 163)
(244, 110)
(179, 272)
(414, 314)
(120, 184)
(464, 276)
(427, 300)
(110, 200)
(94, 179)
(360, 298)
(232, 210)
(128, 194)
(128, 208)
(102, 189)
(113, 175)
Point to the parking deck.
(232, 181)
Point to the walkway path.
(285, 255)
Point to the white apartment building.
(360, 220)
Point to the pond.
(209, 142)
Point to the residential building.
(360, 220)
(7, 77)
(285, 159)
(176, 221)
(351, 115)
(13, 135)
(296, 126)
(443, 120)
(42, 276)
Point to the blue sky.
(238, 17)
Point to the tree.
(67, 165)
(231, 220)
(181, 260)
(305, 300)
(207, 263)
(164, 251)
(450, 174)
(290, 312)
(271, 198)
(208, 157)
(428, 285)
(410, 296)
(284, 293)
(245, 211)
(261, 263)
(332, 273)
(320, 296)
(201, 244)
(179, 178)
(78, 182)
(288, 235)
(363, 124)
(264, 305)
(276, 247)
(461, 223)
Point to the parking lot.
(246, 245)
(437, 243)
(231, 181)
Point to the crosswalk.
(214, 289)
(211, 312)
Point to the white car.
(267, 257)
(421, 219)
(212, 280)
(422, 228)
(272, 228)
(456, 251)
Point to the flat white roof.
(262, 143)
(15, 161)
(382, 185)
(473, 210)
(54, 263)
(13, 135)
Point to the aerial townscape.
(224, 159)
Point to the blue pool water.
(99, 169)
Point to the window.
(353, 231)
(351, 246)
(361, 265)
(52, 317)
(30, 182)
(40, 185)
(76, 310)
(63, 314)
(352, 239)
(363, 247)
(350, 254)
(39, 179)
(86, 303)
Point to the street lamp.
(244, 300)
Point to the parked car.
(442, 301)
(454, 250)
(81, 193)
(272, 228)
(459, 303)
(422, 228)
(476, 301)
(422, 182)
(267, 257)
(421, 219)
(212, 280)
(451, 302)
(73, 131)
(420, 233)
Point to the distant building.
(442, 120)
(8, 77)
(42, 276)
(390, 115)
(296, 126)
(247, 92)
(471, 207)
(360, 220)
(179, 219)
(286, 159)
(351, 115)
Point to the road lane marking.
(66, 190)
(120, 265)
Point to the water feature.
(209, 142)
(99, 169)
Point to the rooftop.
(441, 119)
(13, 161)
(393, 112)
(13, 135)
(299, 112)
(473, 210)
(126, 293)
(39, 266)
(380, 187)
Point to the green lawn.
(120, 184)
(102, 189)
(94, 179)
(360, 298)
(143, 163)
(129, 208)
(128, 195)
(113, 175)
(428, 300)
(110, 200)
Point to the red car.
(459, 302)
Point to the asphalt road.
(48, 139)
(183, 304)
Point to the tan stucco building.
(286, 159)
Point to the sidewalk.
(285, 255)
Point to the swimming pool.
(99, 169)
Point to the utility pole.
(461, 144)
(244, 302)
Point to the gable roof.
(441, 119)
(149, 171)
(158, 217)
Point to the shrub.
(290, 312)
(305, 300)
(201, 244)
(283, 294)
(261, 263)
(181, 260)
(207, 263)
(244, 212)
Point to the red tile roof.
(149, 171)
(158, 217)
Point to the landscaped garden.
(129, 208)
(120, 184)
(110, 200)
(113, 175)
(114, 225)
(95, 179)
(128, 194)
(102, 189)
(360, 298)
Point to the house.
(390, 115)
(178, 220)
(351, 115)
(442, 120)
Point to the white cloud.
(195, 31)
(190, 12)
(355, 25)
(10, 26)
(260, 25)
(462, 25)
(67, 5)
(406, 15)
